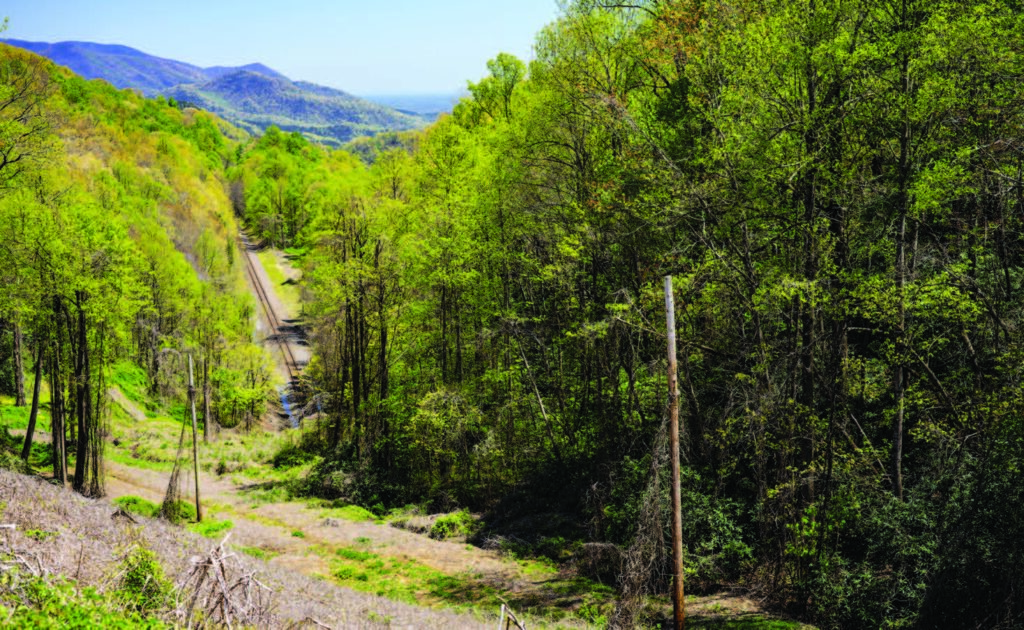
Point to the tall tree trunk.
(27, 448)
(208, 422)
(903, 203)
(808, 319)
(82, 402)
(60, 462)
(19, 369)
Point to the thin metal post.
(679, 604)
(195, 436)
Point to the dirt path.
(269, 526)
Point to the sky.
(366, 48)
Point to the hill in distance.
(253, 96)
(428, 106)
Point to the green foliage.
(210, 528)
(353, 513)
(57, 604)
(290, 455)
(256, 552)
(179, 512)
(10, 451)
(142, 586)
(124, 247)
(132, 381)
(405, 580)
(485, 300)
(456, 524)
(39, 534)
(138, 505)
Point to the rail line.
(290, 364)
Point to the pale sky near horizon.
(366, 48)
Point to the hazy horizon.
(404, 48)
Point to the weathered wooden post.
(679, 605)
(195, 436)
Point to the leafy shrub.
(10, 461)
(143, 587)
(556, 548)
(179, 512)
(58, 604)
(459, 523)
(39, 535)
(138, 505)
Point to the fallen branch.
(243, 600)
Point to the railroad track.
(290, 364)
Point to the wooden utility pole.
(679, 604)
(195, 436)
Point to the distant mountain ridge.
(253, 96)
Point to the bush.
(178, 512)
(138, 505)
(143, 587)
(452, 525)
(289, 456)
(58, 604)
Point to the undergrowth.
(58, 604)
(138, 505)
(407, 580)
(143, 587)
(211, 528)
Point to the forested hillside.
(257, 101)
(837, 190)
(252, 96)
(118, 246)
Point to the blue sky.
(367, 47)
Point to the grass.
(406, 580)
(268, 492)
(17, 417)
(256, 552)
(453, 525)
(211, 528)
(127, 459)
(754, 622)
(153, 444)
(132, 381)
(353, 513)
(39, 534)
(288, 291)
(267, 520)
